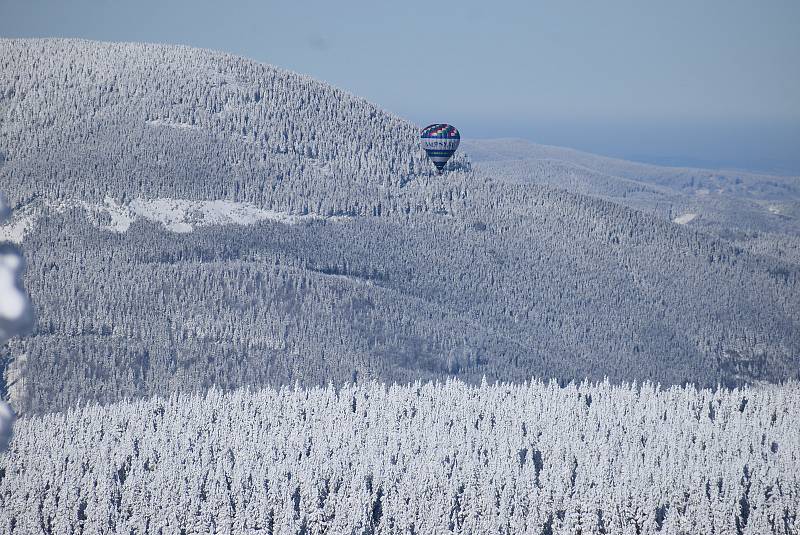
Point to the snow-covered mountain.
(323, 247)
(760, 213)
(169, 121)
(741, 183)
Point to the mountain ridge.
(759, 213)
(494, 149)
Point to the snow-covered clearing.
(684, 219)
(170, 124)
(16, 229)
(177, 215)
(180, 215)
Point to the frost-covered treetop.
(15, 311)
(421, 458)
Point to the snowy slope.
(175, 122)
(760, 213)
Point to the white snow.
(22, 221)
(7, 418)
(177, 215)
(171, 124)
(774, 209)
(15, 313)
(15, 230)
(684, 219)
(121, 216)
(171, 213)
(180, 215)
(12, 301)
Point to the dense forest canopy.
(423, 458)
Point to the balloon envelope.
(440, 141)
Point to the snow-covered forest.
(274, 303)
(360, 263)
(759, 213)
(424, 458)
(88, 120)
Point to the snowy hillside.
(759, 213)
(447, 458)
(691, 180)
(88, 120)
(323, 247)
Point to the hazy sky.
(684, 81)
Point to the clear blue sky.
(712, 82)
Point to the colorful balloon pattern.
(440, 141)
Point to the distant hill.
(192, 219)
(760, 213)
(688, 180)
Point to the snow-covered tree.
(420, 458)
(16, 315)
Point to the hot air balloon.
(440, 141)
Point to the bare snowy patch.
(177, 215)
(24, 220)
(172, 124)
(15, 229)
(111, 215)
(684, 219)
